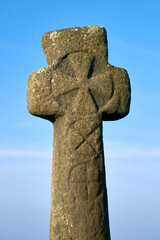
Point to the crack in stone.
(94, 100)
(85, 138)
(91, 69)
(68, 91)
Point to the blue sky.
(132, 145)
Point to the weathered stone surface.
(76, 92)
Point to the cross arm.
(118, 105)
(48, 92)
(40, 100)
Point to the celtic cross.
(76, 92)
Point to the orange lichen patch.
(54, 179)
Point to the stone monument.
(76, 92)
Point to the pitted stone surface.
(77, 91)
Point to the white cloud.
(118, 150)
(135, 48)
(24, 154)
(26, 162)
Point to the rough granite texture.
(77, 91)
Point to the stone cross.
(76, 92)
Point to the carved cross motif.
(76, 92)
